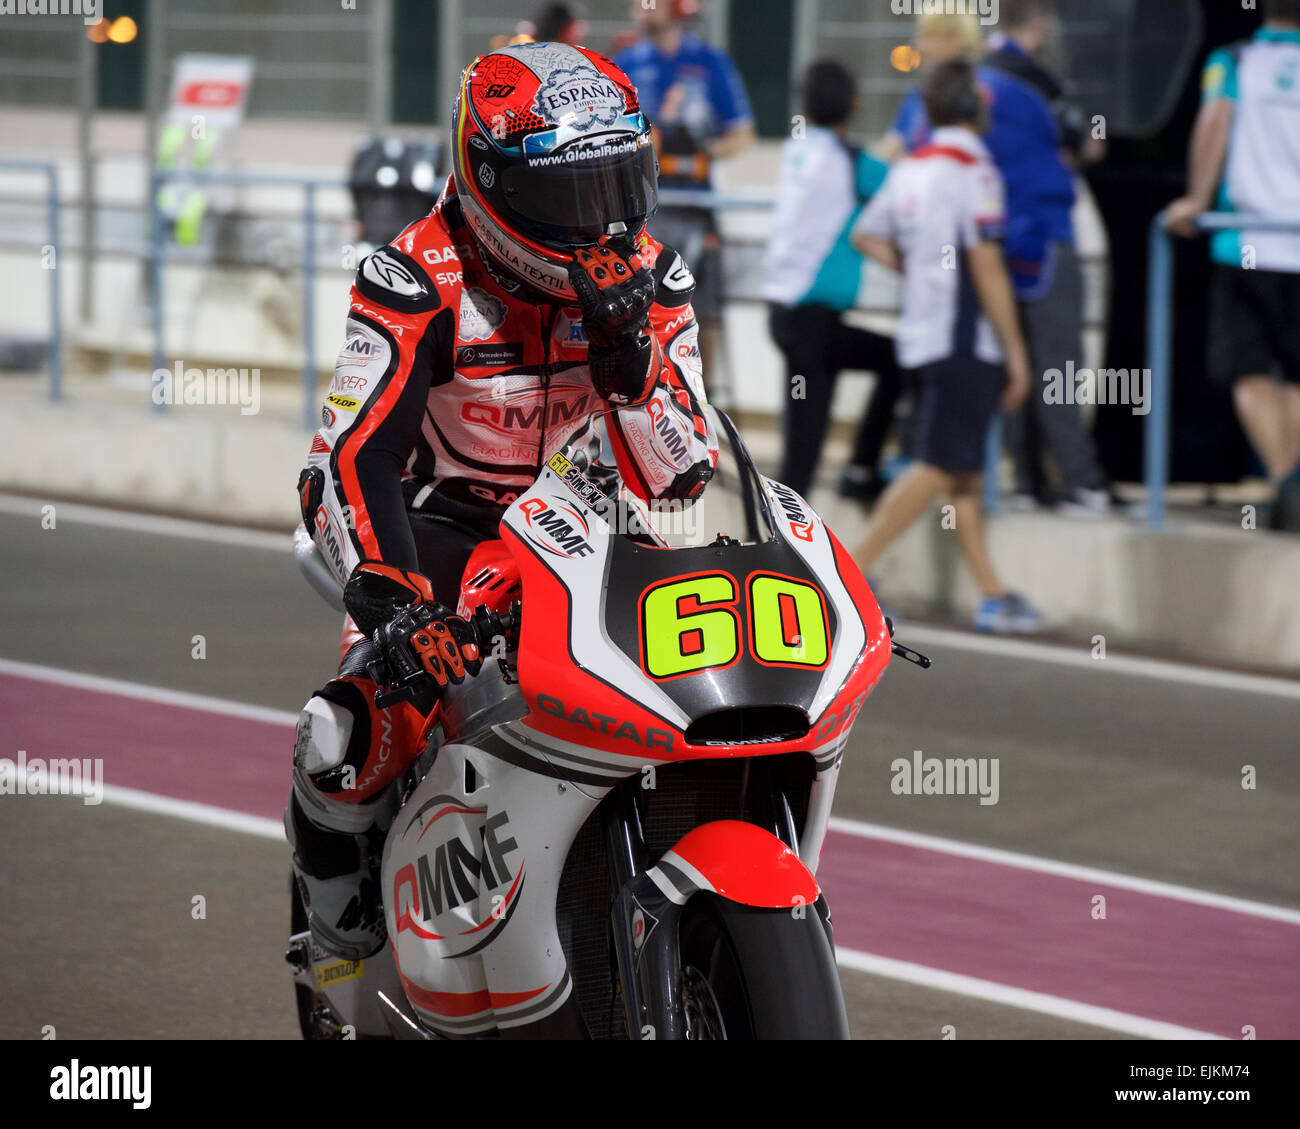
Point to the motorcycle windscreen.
(732, 623)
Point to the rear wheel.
(750, 973)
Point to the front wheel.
(750, 973)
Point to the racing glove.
(416, 634)
(615, 294)
(429, 638)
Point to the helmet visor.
(572, 196)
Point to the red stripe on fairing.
(448, 811)
(464, 1005)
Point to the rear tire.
(750, 973)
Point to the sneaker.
(1021, 503)
(1086, 503)
(860, 484)
(1007, 615)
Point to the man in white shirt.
(938, 219)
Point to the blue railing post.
(156, 250)
(309, 306)
(1160, 301)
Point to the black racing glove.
(615, 294)
(417, 636)
(429, 639)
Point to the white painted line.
(147, 693)
(156, 524)
(1113, 664)
(1015, 997)
(1064, 870)
(854, 827)
(847, 958)
(196, 813)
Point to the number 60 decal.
(692, 623)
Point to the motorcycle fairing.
(581, 673)
(471, 871)
(473, 862)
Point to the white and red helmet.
(550, 152)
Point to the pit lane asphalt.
(1131, 774)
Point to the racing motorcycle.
(614, 831)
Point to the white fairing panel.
(470, 877)
(801, 528)
(571, 534)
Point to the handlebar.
(402, 677)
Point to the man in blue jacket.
(1036, 136)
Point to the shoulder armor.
(393, 279)
(674, 282)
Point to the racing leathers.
(454, 386)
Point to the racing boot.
(348, 758)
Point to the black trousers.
(818, 346)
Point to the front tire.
(751, 973)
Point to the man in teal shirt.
(1245, 157)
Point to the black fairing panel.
(747, 683)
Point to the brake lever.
(914, 657)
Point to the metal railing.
(1160, 344)
(54, 345)
(309, 185)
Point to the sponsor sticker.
(481, 315)
(580, 98)
(495, 354)
(336, 972)
(579, 483)
(347, 403)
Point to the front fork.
(646, 922)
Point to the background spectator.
(966, 358)
(1034, 137)
(694, 96)
(1246, 148)
(940, 38)
(559, 23)
(811, 276)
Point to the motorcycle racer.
(526, 307)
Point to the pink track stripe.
(1197, 966)
(1201, 967)
(189, 754)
